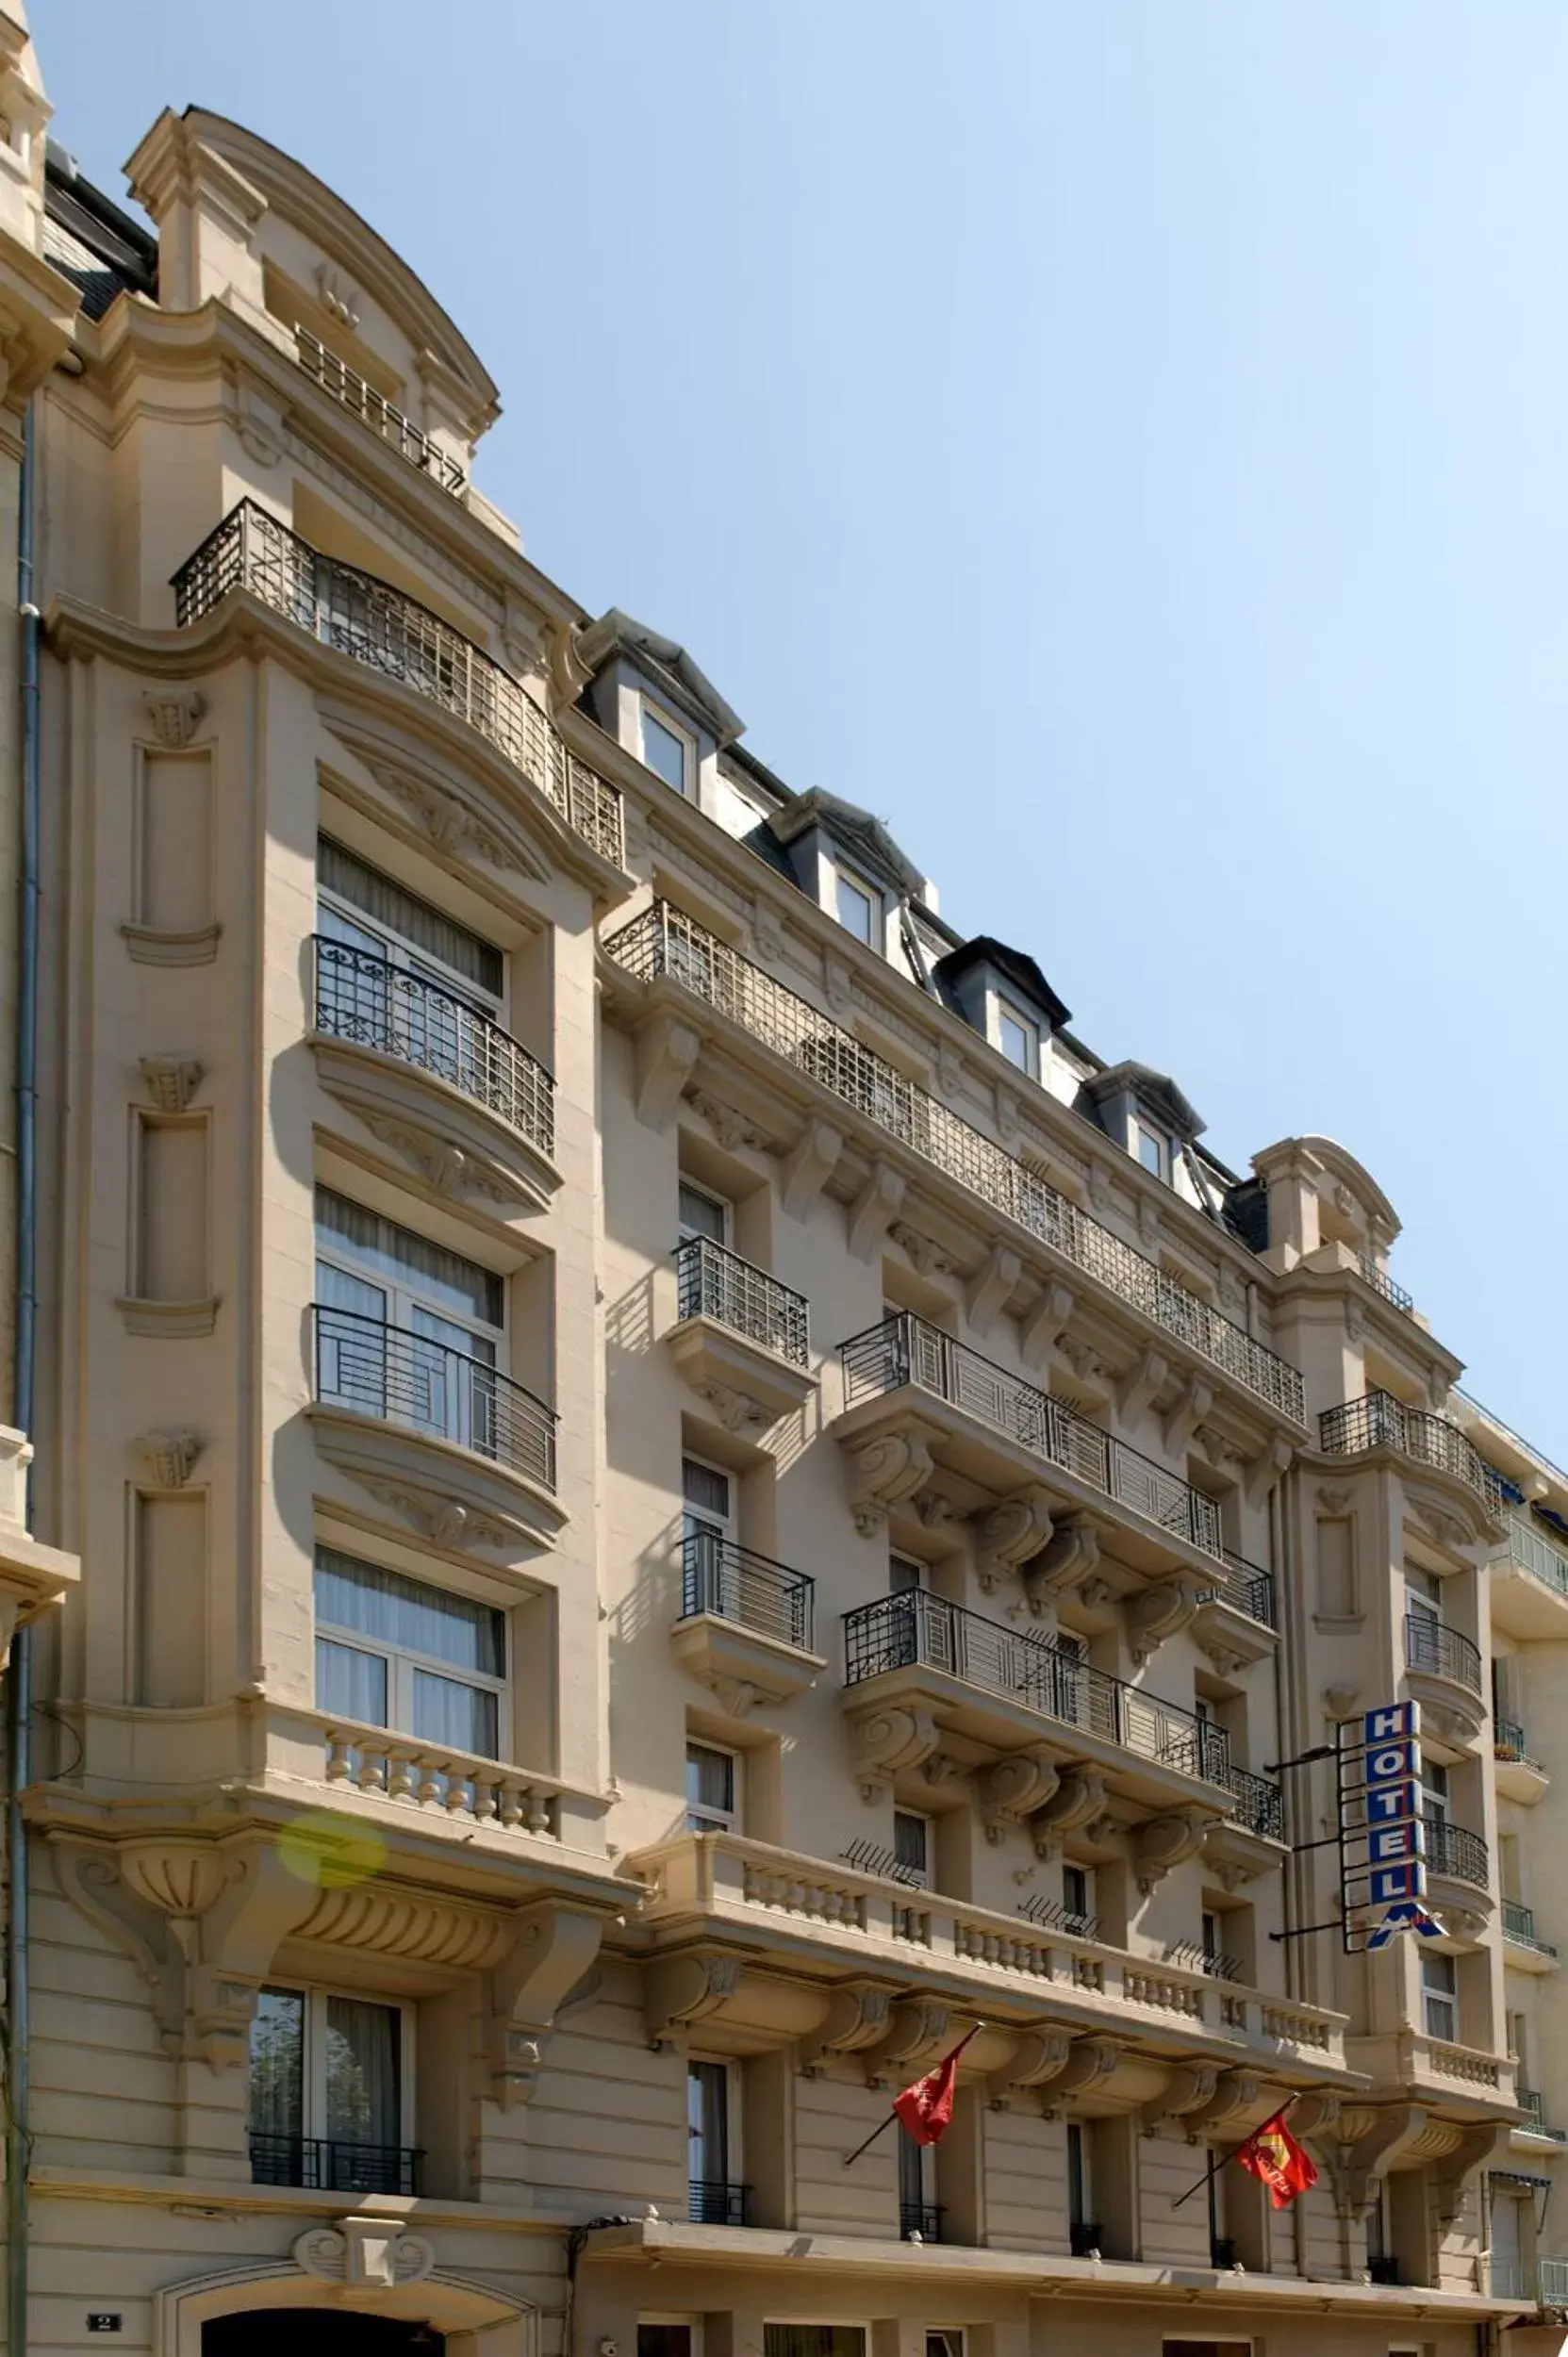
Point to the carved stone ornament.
(340, 296)
(918, 2032)
(553, 1956)
(1010, 1534)
(879, 1201)
(732, 1128)
(1077, 1802)
(840, 986)
(887, 1742)
(170, 1457)
(1333, 1496)
(1163, 1842)
(736, 1411)
(442, 1164)
(680, 1991)
(443, 1520)
(261, 429)
(881, 1474)
(1189, 2088)
(1101, 1194)
(175, 713)
(1092, 2062)
(935, 1512)
(1011, 1789)
(1155, 1614)
(856, 2018)
(373, 2253)
(768, 934)
(667, 1052)
(450, 822)
(1038, 2059)
(1070, 1561)
(924, 1255)
(171, 1082)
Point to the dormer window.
(857, 906)
(1016, 1035)
(666, 750)
(1153, 1150)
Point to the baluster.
(511, 1804)
(485, 1804)
(400, 1773)
(371, 1766)
(338, 1766)
(458, 1788)
(430, 1782)
(535, 1809)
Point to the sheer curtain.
(364, 2065)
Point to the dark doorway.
(318, 2333)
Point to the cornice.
(1415, 1346)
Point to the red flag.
(1272, 2154)
(926, 2109)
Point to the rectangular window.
(912, 1845)
(402, 928)
(664, 750)
(329, 2093)
(406, 1331)
(813, 2340)
(701, 1213)
(706, 1494)
(391, 1652)
(945, 2341)
(856, 906)
(1019, 1039)
(1206, 2348)
(903, 1573)
(1080, 2192)
(918, 2210)
(708, 2143)
(1151, 1148)
(1078, 1898)
(711, 1781)
(1439, 2006)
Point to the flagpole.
(1216, 2166)
(883, 2125)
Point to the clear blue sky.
(1118, 441)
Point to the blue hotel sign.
(1382, 1829)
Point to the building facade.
(682, 1497)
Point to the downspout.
(18, 1683)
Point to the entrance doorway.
(318, 2333)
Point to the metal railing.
(904, 1349)
(1454, 1851)
(372, 1004)
(1533, 2104)
(344, 386)
(1519, 1926)
(1381, 1283)
(1433, 1646)
(1054, 1915)
(711, 2203)
(749, 1589)
(663, 940)
(915, 1627)
(1259, 1804)
(1551, 2283)
(714, 1282)
(328, 2165)
(391, 632)
(1534, 1553)
(1510, 1745)
(1216, 1964)
(405, 1378)
(1378, 1420)
(1247, 1587)
(923, 2218)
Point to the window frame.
(1144, 1133)
(1005, 1010)
(926, 1825)
(695, 1519)
(733, 2172)
(401, 1666)
(1085, 1874)
(396, 949)
(1448, 1998)
(722, 1820)
(844, 876)
(648, 708)
(313, 2084)
(684, 1232)
(400, 1292)
(899, 1567)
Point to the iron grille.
(1216, 1964)
(714, 1282)
(715, 2203)
(665, 941)
(904, 1349)
(1454, 1851)
(401, 1377)
(1054, 1915)
(923, 2218)
(325, 2164)
(344, 386)
(1257, 1803)
(1247, 1587)
(748, 1589)
(1383, 1284)
(1519, 1926)
(1378, 1420)
(1433, 1646)
(399, 1013)
(389, 632)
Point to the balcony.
(1456, 1851)
(746, 1621)
(664, 942)
(1238, 1617)
(391, 633)
(1258, 1804)
(1533, 2104)
(1434, 1650)
(1378, 1420)
(1543, 2283)
(1532, 1954)
(400, 1407)
(343, 385)
(742, 1340)
(1519, 1776)
(904, 1353)
(1530, 1580)
(385, 1033)
(711, 2203)
(327, 2165)
(1383, 1285)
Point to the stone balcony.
(1530, 1580)
(741, 1339)
(33, 1576)
(1378, 1421)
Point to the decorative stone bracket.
(1012, 1789)
(1359, 2146)
(1139, 1385)
(1038, 2060)
(991, 1286)
(555, 1948)
(889, 1741)
(879, 1201)
(1011, 1534)
(678, 1991)
(1154, 1614)
(1189, 2089)
(1078, 1801)
(1044, 1327)
(1163, 1842)
(857, 2017)
(667, 1053)
(883, 1473)
(1070, 1562)
(1183, 1419)
(809, 1165)
(1092, 2063)
(917, 2034)
(365, 2253)
(1265, 1472)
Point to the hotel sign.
(1383, 1830)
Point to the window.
(710, 1790)
(813, 2340)
(945, 2341)
(374, 1278)
(706, 1493)
(1434, 1791)
(1151, 1148)
(331, 2082)
(664, 750)
(904, 1574)
(701, 1213)
(1423, 1594)
(1439, 2003)
(912, 1845)
(918, 2210)
(1206, 2348)
(658, 2336)
(857, 907)
(1078, 1900)
(1018, 1038)
(709, 2144)
(391, 1652)
(1082, 2227)
(365, 910)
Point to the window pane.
(1150, 1151)
(701, 1215)
(445, 1278)
(278, 2064)
(406, 1614)
(854, 909)
(710, 1779)
(363, 2070)
(903, 1574)
(1017, 1042)
(351, 1684)
(664, 751)
(909, 1840)
(813, 2340)
(402, 912)
(707, 2122)
(463, 1716)
(705, 1488)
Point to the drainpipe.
(18, 1683)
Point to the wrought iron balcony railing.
(1259, 1804)
(916, 1628)
(1533, 2104)
(1216, 1964)
(330, 2165)
(371, 1003)
(1054, 1915)
(1551, 2283)
(1511, 1744)
(714, 1282)
(406, 1378)
(920, 2218)
(391, 632)
(1433, 1648)
(1378, 1420)
(1381, 1283)
(711, 2203)
(1534, 1553)
(344, 386)
(665, 941)
(904, 1349)
(1246, 1588)
(748, 1589)
(1519, 1926)
(1454, 1851)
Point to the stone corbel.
(809, 1165)
(1234, 2098)
(1356, 2166)
(1070, 1561)
(1450, 2175)
(879, 1201)
(991, 1286)
(667, 1052)
(1092, 2062)
(678, 1991)
(1078, 1801)
(917, 2034)
(1164, 1842)
(174, 713)
(1153, 1614)
(1140, 1383)
(887, 1742)
(171, 1082)
(1011, 1534)
(554, 1948)
(881, 1474)
(1038, 2060)
(1265, 1472)
(1011, 1789)
(365, 2253)
(1045, 1324)
(1189, 2088)
(857, 2017)
(169, 1457)
(1197, 1399)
